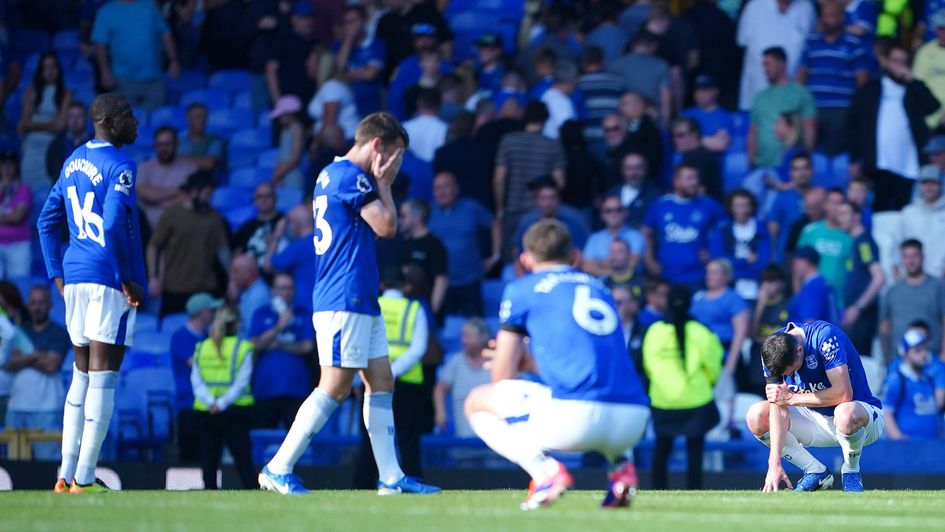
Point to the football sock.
(379, 420)
(311, 417)
(73, 419)
(795, 453)
(852, 446)
(99, 404)
(501, 438)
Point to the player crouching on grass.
(817, 396)
(592, 398)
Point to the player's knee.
(757, 418)
(477, 400)
(338, 393)
(847, 418)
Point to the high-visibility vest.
(219, 372)
(893, 14)
(400, 317)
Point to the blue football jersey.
(95, 195)
(682, 228)
(576, 335)
(826, 346)
(346, 276)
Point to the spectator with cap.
(601, 91)
(187, 247)
(467, 159)
(935, 151)
(924, 219)
(813, 299)
(201, 308)
(427, 132)
(489, 68)
(76, 133)
(547, 204)
(864, 281)
(927, 69)
(360, 59)
(400, 26)
(614, 217)
(247, 290)
(196, 145)
(743, 240)
(645, 73)
(159, 180)
(410, 69)
(558, 98)
(913, 397)
(292, 63)
(687, 141)
(291, 144)
(290, 251)
(255, 235)
(462, 372)
(717, 124)
(16, 200)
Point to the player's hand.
(778, 394)
(385, 171)
(134, 294)
(488, 353)
(60, 285)
(775, 477)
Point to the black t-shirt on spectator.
(710, 174)
(427, 252)
(471, 162)
(292, 51)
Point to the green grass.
(706, 511)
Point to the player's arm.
(50, 219)
(118, 205)
(508, 353)
(840, 391)
(416, 349)
(778, 424)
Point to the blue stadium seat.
(238, 216)
(154, 342)
(243, 100)
(27, 41)
(248, 177)
(421, 177)
(80, 79)
(172, 322)
(188, 81)
(29, 67)
(840, 170)
(225, 122)
(238, 157)
(264, 120)
(145, 322)
(150, 391)
(169, 115)
(244, 147)
(252, 137)
(734, 169)
(230, 80)
(450, 333)
(288, 197)
(268, 158)
(225, 198)
(24, 284)
(214, 99)
(822, 177)
(84, 95)
(66, 40)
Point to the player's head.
(656, 293)
(283, 285)
(911, 257)
(113, 119)
(9, 168)
(782, 354)
(226, 322)
(382, 132)
(686, 181)
(546, 242)
(38, 303)
(474, 337)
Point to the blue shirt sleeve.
(286, 259)
(47, 226)
(513, 311)
(101, 28)
(356, 189)
(119, 201)
(257, 325)
(832, 347)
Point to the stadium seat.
(28, 41)
(230, 80)
(264, 120)
(225, 122)
(840, 170)
(168, 115)
(188, 81)
(29, 67)
(214, 99)
(244, 147)
(143, 115)
(886, 235)
(734, 168)
(248, 177)
(288, 197)
(172, 322)
(145, 322)
(80, 80)
(239, 215)
(243, 100)
(450, 333)
(822, 173)
(66, 40)
(24, 284)
(154, 342)
(421, 177)
(229, 197)
(268, 158)
(147, 395)
(252, 137)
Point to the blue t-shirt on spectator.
(367, 94)
(279, 373)
(648, 316)
(458, 228)
(566, 215)
(717, 313)
(131, 31)
(711, 122)
(489, 80)
(832, 68)
(598, 244)
(183, 343)
(787, 208)
(296, 259)
(911, 396)
(681, 229)
(814, 301)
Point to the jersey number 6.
(593, 315)
(87, 223)
(322, 240)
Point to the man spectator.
(614, 217)
(489, 68)
(935, 150)
(687, 140)
(637, 191)
(913, 397)
(283, 341)
(643, 134)
(255, 236)
(77, 133)
(187, 247)
(864, 280)
(782, 96)
(813, 299)
(460, 374)
(601, 91)
(361, 58)
(762, 25)
(886, 128)
(924, 219)
(558, 98)
(396, 29)
(547, 201)
(427, 132)
(916, 296)
(36, 393)
(621, 264)
(814, 200)
(292, 63)
(128, 35)
(607, 37)
(645, 73)
(204, 149)
(715, 33)
(788, 204)
(677, 229)
(294, 255)
(522, 157)
(833, 66)
(467, 159)
(927, 69)
(421, 247)
(247, 289)
(201, 308)
(159, 180)
(832, 242)
(716, 123)
(459, 223)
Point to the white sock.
(379, 420)
(311, 417)
(795, 453)
(99, 404)
(852, 446)
(73, 419)
(500, 437)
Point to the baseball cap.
(489, 39)
(422, 28)
(705, 81)
(200, 302)
(935, 144)
(286, 105)
(930, 172)
(912, 338)
(303, 9)
(809, 254)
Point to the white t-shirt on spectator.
(560, 110)
(462, 378)
(427, 134)
(335, 91)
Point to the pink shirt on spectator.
(12, 197)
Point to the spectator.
(256, 236)
(913, 400)
(397, 29)
(522, 157)
(76, 133)
(205, 150)
(461, 373)
(582, 174)
(814, 200)
(723, 311)
(882, 110)
(716, 32)
(333, 107)
(547, 202)
(420, 246)
(221, 374)
(637, 191)
(558, 98)
(468, 159)
(831, 241)
(916, 296)
(833, 66)
(427, 132)
(489, 67)
(770, 314)
(295, 256)
(743, 241)
(597, 249)
(643, 134)
(682, 359)
(860, 194)
(423, 68)
(627, 297)
(459, 223)
(655, 297)
(128, 36)
(864, 280)
(924, 219)
(187, 246)
(159, 180)
(677, 45)
(716, 124)
(431, 73)
(247, 289)
(503, 113)
(782, 96)
(601, 90)
(677, 229)
(935, 149)
(558, 38)
(927, 58)
(283, 341)
(36, 393)
(645, 73)
(787, 205)
(11, 337)
(360, 59)
(771, 23)
(621, 264)
(607, 37)
(687, 141)
(16, 200)
(813, 299)
(292, 63)
(45, 104)
(288, 170)
(201, 309)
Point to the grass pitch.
(706, 511)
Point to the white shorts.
(566, 424)
(95, 312)
(348, 339)
(817, 430)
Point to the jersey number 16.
(88, 224)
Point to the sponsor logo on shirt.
(810, 361)
(364, 186)
(811, 387)
(680, 234)
(125, 181)
(830, 348)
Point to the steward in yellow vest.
(407, 336)
(218, 369)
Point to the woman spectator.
(222, 370)
(462, 372)
(288, 170)
(334, 105)
(744, 241)
(44, 116)
(15, 203)
(682, 359)
(720, 309)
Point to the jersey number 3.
(87, 223)
(323, 236)
(593, 315)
